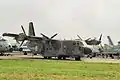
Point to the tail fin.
(110, 41)
(31, 29)
(100, 37)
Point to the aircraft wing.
(34, 38)
(10, 35)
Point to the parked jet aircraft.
(49, 47)
(111, 50)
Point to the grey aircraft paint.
(49, 47)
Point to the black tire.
(45, 57)
(59, 57)
(25, 53)
(49, 57)
(64, 58)
(77, 58)
(35, 53)
(111, 55)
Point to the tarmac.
(20, 55)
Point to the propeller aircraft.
(49, 47)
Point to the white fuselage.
(4, 46)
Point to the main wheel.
(45, 57)
(59, 57)
(25, 53)
(77, 58)
(64, 58)
(35, 53)
(49, 57)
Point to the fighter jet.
(111, 50)
(49, 47)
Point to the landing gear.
(25, 53)
(111, 55)
(45, 57)
(2, 54)
(49, 57)
(59, 57)
(64, 58)
(35, 53)
(77, 58)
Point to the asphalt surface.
(20, 55)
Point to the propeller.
(17, 41)
(100, 37)
(87, 39)
(99, 41)
(22, 43)
(82, 39)
(79, 37)
(54, 35)
(48, 39)
(23, 30)
(24, 37)
(44, 36)
(101, 46)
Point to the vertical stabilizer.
(31, 29)
(110, 41)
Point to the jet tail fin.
(110, 41)
(31, 29)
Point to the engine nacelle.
(21, 37)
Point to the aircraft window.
(9, 46)
(77, 43)
(74, 43)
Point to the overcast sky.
(88, 18)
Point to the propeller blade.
(87, 39)
(22, 43)
(100, 37)
(53, 35)
(101, 46)
(45, 36)
(94, 38)
(23, 30)
(17, 41)
(79, 37)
